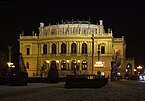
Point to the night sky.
(125, 17)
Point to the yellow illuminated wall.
(80, 33)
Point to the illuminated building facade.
(76, 46)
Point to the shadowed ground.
(113, 91)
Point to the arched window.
(84, 65)
(27, 65)
(63, 48)
(84, 48)
(53, 48)
(74, 65)
(53, 65)
(53, 31)
(63, 65)
(44, 49)
(73, 48)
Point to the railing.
(66, 35)
(118, 39)
(85, 81)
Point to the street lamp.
(135, 71)
(10, 52)
(139, 68)
(99, 52)
(11, 65)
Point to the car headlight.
(141, 77)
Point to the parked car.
(142, 77)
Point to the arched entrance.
(53, 64)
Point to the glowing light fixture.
(99, 64)
(57, 61)
(135, 70)
(10, 64)
(79, 61)
(67, 61)
(47, 61)
(139, 67)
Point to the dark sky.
(125, 17)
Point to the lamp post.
(92, 52)
(135, 71)
(98, 52)
(10, 53)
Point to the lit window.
(63, 65)
(84, 65)
(74, 65)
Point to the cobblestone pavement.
(114, 91)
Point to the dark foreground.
(114, 91)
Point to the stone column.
(69, 44)
(78, 47)
(50, 47)
(59, 47)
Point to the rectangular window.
(102, 49)
(28, 51)
(27, 65)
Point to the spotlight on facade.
(47, 61)
(67, 61)
(57, 61)
(79, 61)
(99, 64)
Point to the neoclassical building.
(76, 46)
